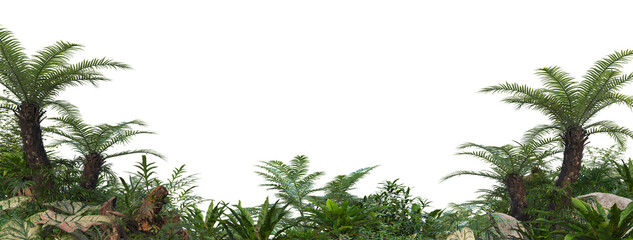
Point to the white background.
(350, 84)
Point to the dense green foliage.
(143, 206)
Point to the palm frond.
(13, 65)
(485, 173)
(560, 84)
(52, 57)
(62, 107)
(618, 133)
(524, 96)
(136, 151)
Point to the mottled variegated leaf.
(18, 229)
(72, 208)
(13, 202)
(462, 234)
(71, 223)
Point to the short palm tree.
(292, 181)
(92, 142)
(33, 83)
(509, 165)
(571, 107)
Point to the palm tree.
(292, 181)
(509, 165)
(571, 107)
(92, 142)
(33, 83)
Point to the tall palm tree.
(92, 142)
(509, 165)
(292, 181)
(33, 83)
(571, 107)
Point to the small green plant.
(598, 223)
(240, 223)
(206, 226)
(625, 170)
(341, 221)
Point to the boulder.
(606, 200)
(462, 234)
(507, 225)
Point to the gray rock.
(507, 225)
(606, 200)
(462, 234)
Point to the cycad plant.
(509, 165)
(292, 181)
(33, 83)
(92, 142)
(572, 106)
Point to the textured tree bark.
(574, 140)
(29, 118)
(92, 169)
(118, 231)
(147, 216)
(517, 192)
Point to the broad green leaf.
(72, 208)
(71, 223)
(14, 202)
(18, 229)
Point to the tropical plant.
(399, 213)
(292, 181)
(240, 223)
(92, 142)
(133, 191)
(338, 188)
(598, 223)
(206, 226)
(342, 221)
(625, 172)
(69, 217)
(16, 176)
(180, 187)
(19, 229)
(9, 132)
(571, 107)
(33, 83)
(509, 165)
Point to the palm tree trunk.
(574, 140)
(29, 118)
(517, 192)
(92, 169)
